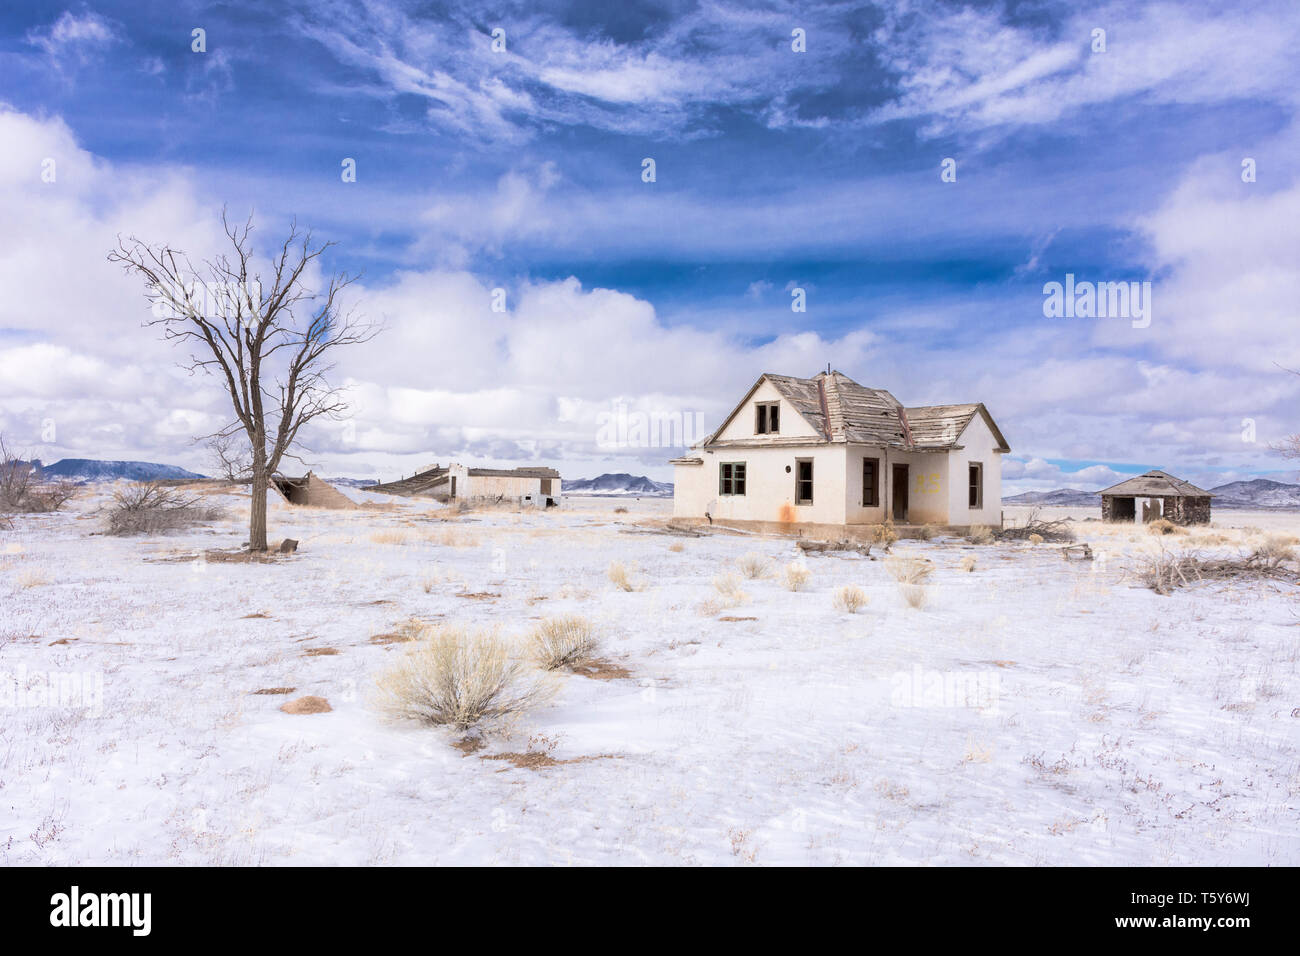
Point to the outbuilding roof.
(1156, 484)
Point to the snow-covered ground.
(1116, 727)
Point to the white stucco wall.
(769, 488)
(927, 485)
(978, 445)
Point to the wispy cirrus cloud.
(76, 38)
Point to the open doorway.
(900, 493)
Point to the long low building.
(535, 487)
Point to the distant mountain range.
(88, 469)
(353, 482)
(620, 485)
(1258, 494)
(1060, 498)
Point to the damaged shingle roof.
(841, 410)
(1156, 484)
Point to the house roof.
(1156, 484)
(514, 473)
(841, 410)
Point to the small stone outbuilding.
(1161, 495)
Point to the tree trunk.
(257, 516)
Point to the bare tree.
(269, 342)
(24, 489)
(1288, 447)
(229, 452)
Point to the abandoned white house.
(535, 487)
(826, 450)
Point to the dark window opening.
(767, 418)
(871, 482)
(976, 485)
(731, 478)
(803, 481)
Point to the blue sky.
(775, 169)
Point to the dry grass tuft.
(980, 534)
(884, 535)
(1035, 539)
(31, 578)
(453, 676)
(677, 547)
(392, 537)
(925, 532)
(566, 641)
(851, 599)
(909, 570)
(795, 576)
(967, 563)
(754, 565)
(1164, 526)
(621, 578)
(915, 595)
(729, 591)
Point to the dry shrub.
(728, 588)
(967, 563)
(1166, 570)
(31, 578)
(23, 491)
(1035, 539)
(677, 547)
(754, 565)
(1036, 527)
(884, 535)
(148, 508)
(1275, 550)
(850, 599)
(453, 676)
(909, 570)
(980, 534)
(620, 510)
(915, 595)
(925, 532)
(1164, 526)
(564, 641)
(620, 577)
(391, 536)
(795, 576)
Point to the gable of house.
(832, 408)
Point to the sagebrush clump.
(795, 576)
(754, 565)
(150, 508)
(565, 641)
(850, 599)
(457, 677)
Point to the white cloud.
(79, 37)
(968, 69)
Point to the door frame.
(895, 484)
